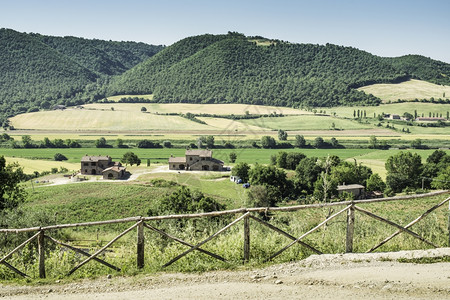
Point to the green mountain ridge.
(38, 71)
(237, 69)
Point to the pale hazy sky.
(381, 27)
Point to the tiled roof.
(201, 153)
(349, 187)
(88, 158)
(177, 159)
(114, 169)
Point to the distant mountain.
(234, 68)
(38, 71)
(424, 68)
(101, 57)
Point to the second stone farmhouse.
(196, 160)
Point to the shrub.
(59, 157)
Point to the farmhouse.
(196, 160)
(102, 165)
(356, 189)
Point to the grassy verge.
(264, 242)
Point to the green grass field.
(409, 90)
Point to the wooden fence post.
(449, 223)
(41, 251)
(140, 245)
(246, 239)
(350, 229)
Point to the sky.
(387, 28)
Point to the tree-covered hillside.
(38, 71)
(101, 57)
(234, 68)
(424, 68)
(31, 73)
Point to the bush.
(59, 157)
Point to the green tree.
(263, 196)
(300, 141)
(268, 142)
(101, 143)
(416, 144)
(241, 170)
(375, 183)
(293, 159)
(210, 141)
(442, 181)
(184, 201)
(334, 142)
(27, 142)
(232, 156)
(325, 186)
(373, 142)
(306, 174)
(269, 176)
(319, 142)
(11, 192)
(59, 157)
(281, 159)
(143, 109)
(282, 135)
(130, 158)
(119, 143)
(59, 143)
(403, 170)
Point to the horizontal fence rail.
(246, 214)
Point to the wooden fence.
(245, 214)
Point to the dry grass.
(408, 90)
(220, 109)
(87, 119)
(31, 165)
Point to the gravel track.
(337, 276)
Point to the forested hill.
(101, 57)
(424, 68)
(39, 71)
(235, 68)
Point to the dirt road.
(354, 276)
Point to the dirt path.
(354, 276)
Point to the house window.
(85, 164)
(190, 158)
(93, 163)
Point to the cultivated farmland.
(408, 90)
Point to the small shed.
(357, 190)
(114, 172)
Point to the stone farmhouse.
(102, 165)
(357, 190)
(196, 160)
